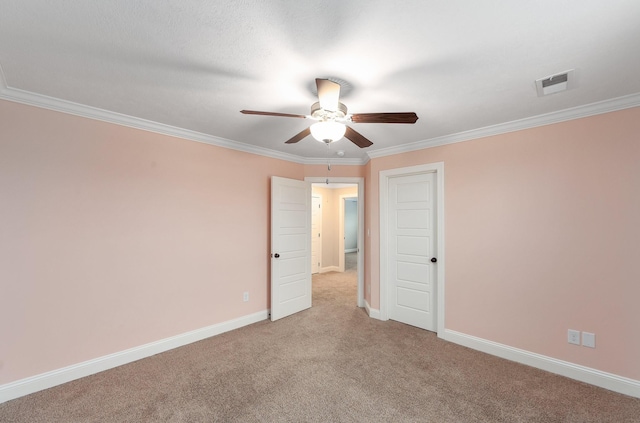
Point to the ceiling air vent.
(555, 83)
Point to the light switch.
(588, 339)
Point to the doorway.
(333, 246)
(348, 229)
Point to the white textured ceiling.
(194, 64)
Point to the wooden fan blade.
(303, 134)
(328, 94)
(357, 138)
(255, 112)
(405, 117)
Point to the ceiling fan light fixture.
(328, 131)
(330, 114)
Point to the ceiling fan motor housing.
(323, 115)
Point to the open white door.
(290, 246)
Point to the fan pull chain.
(328, 162)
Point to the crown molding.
(606, 106)
(69, 107)
(64, 106)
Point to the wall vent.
(555, 83)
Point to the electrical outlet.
(588, 339)
(245, 297)
(573, 337)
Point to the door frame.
(360, 182)
(319, 252)
(385, 175)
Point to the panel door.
(411, 287)
(290, 246)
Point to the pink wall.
(542, 235)
(336, 171)
(113, 237)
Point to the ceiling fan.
(331, 116)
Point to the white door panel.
(413, 299)
(413, 272)
(412, 192)
(290, 247)
(412, 247)
(292, 268)
(292, 243)
(291, 292)
(413, 219)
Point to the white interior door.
(290, 246)
(316, 233)
(411, 273)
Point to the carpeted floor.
(331, 363)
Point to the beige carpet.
(331, 363)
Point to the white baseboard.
(330, 269)
(372, 312)
(53, 378)
(351, 250)
(595, 377)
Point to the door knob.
(276, 255)
(433, 260)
